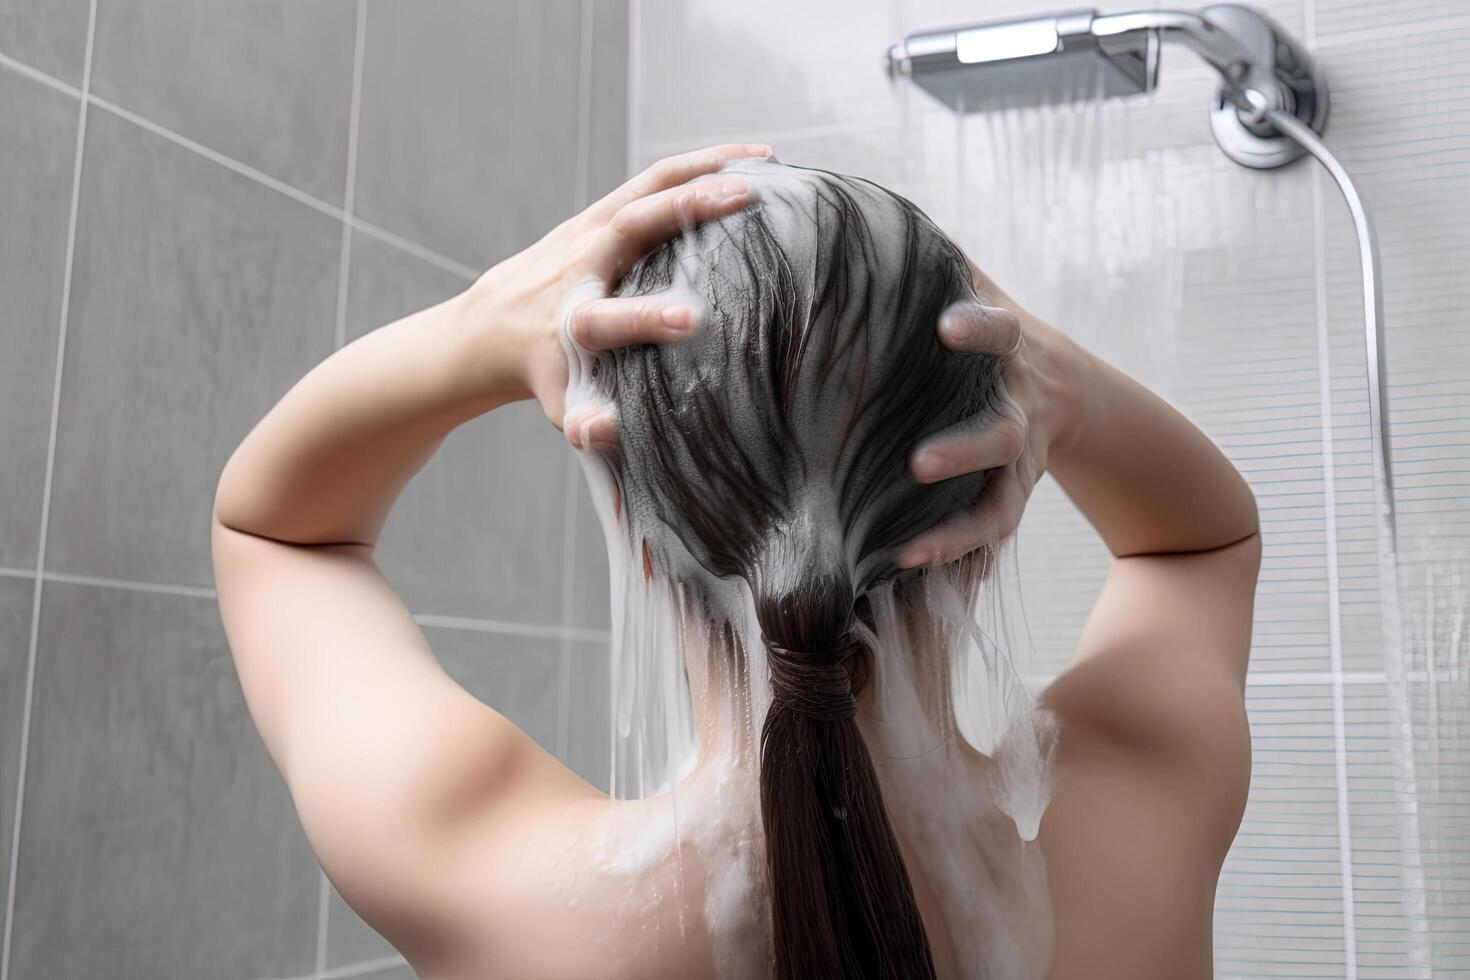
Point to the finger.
(994, 518)
(680, 169)
(595, 428)
(623, 321)
(969, 448)
(975, 328)
(644, 224)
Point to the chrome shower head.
(1035, 61)
(1077, 55)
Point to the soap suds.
(961, 749)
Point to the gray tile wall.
(190, 218)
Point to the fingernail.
(758, 150)
(578, 426)
(910, 557)
(927, 464)
(729, 188)
(678, 318)
(954, 328)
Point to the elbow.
(226, 513)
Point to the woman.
(800, 852)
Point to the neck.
(904, 707)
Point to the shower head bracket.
(1080, 54)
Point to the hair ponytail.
(842, 906)
(774, 443)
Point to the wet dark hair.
(774, 444)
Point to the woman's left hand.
(1014, 444)
(521, 301)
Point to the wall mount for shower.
(1082, 54)
(1270, 108)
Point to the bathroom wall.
(200, 200)
(1236, 295)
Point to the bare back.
(500, 868)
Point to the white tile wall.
(1235, 294)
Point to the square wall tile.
(468, 137)
(198, 298)
(49, 35)
(267, 83)
(516, 676)
(158, 840)
(38, 141)
(15, 643)
(478, 531)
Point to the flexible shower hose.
(1372, 316)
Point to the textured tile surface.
(589, 713)
(199, 298)
(50, 35)
(158, 839)
(588, 602)
(1278, 907)
(608, 109)
(1123, 223)
(15, 637)
(38, 139)
(714, 71)
(478, 531)
(515, 675)
(267, 83)
(469, 123)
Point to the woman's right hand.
(516, 308)
(1015, 446)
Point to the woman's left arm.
(387, 759)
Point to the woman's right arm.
(1152, 768)
(1147, 479)
(1178, 518)
(1162, 659)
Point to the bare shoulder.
(1153, 765)
(402, 778)
(1160, 667)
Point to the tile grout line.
(229, 163)
(413, 248)
(1282, 678)
(349, 192)
(352, 969)
(36, 75)
(581, 181)
(422, 252)
(535, 630)
(323, 898)
(339, 337)
(580, 184)
(466, 623)
(28, 697)
(1329, 520)
(158, 588)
